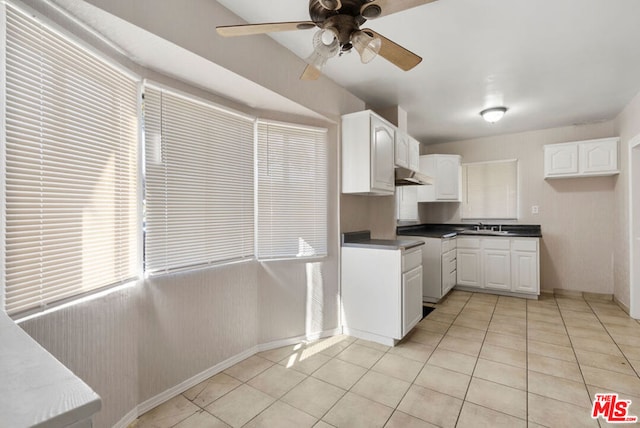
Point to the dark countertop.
(446, 230)
(363, 240)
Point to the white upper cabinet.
(581, 158)
(368, 149)
(560, 159)
(446, 173)
(402, 149)
(414, 154)
(407, 203)
(407, 151)
(599, 156)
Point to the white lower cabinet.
(411, 293)
(469, 262)
(501, 264)
(525, 266)
(438, 267)
(496, 262)
(381, 292)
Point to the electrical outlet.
(535, 209)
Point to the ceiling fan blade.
(251, 29)
(310, 73)
(394, 53)
(378, 8)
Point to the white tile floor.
(477, 360)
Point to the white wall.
(628, 127)
(136, 343)
(577, 215)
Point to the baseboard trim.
(370, 337)
(571, 294)
(624, 307)
(575, 294)
(157, 400)
(496, 292)
(193, 381)
(127, 419)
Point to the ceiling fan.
(339, 32)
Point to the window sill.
(37, 389)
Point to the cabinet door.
(382, 154)
(448, 178)
(414, 154)
(524, 268)
(407, 203)
(468, 267)
(598, 156)
(497, 269)
(411, 299)
(402, 150)
(560, 159)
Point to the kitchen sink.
(484, 232)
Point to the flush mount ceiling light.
(494, 114)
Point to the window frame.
(186, 96)
(318, 129)
(136, 80)
(516, 207)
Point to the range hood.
(408, 177)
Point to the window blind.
(490, 190)
(292, 191)
(71, 168)
(199, 183)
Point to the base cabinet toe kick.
(381, 292)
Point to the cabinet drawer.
(449, 262)
(496, 244)
(468, 242)
(524, 244)
(411, 259)
(448, 245)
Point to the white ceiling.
(551, 62)
(152, 52)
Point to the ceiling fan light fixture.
(317, 60)
(321, 50)
(494, 114)
(371, 11)
(367, 46)
(328, 36)
(320, 45)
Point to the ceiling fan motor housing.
(343, 22)
(320, 13)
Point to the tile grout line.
(574, 349)
(526, 353)
(613, 339)
(422, 368)
(464, 400)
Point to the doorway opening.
(634, 223)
